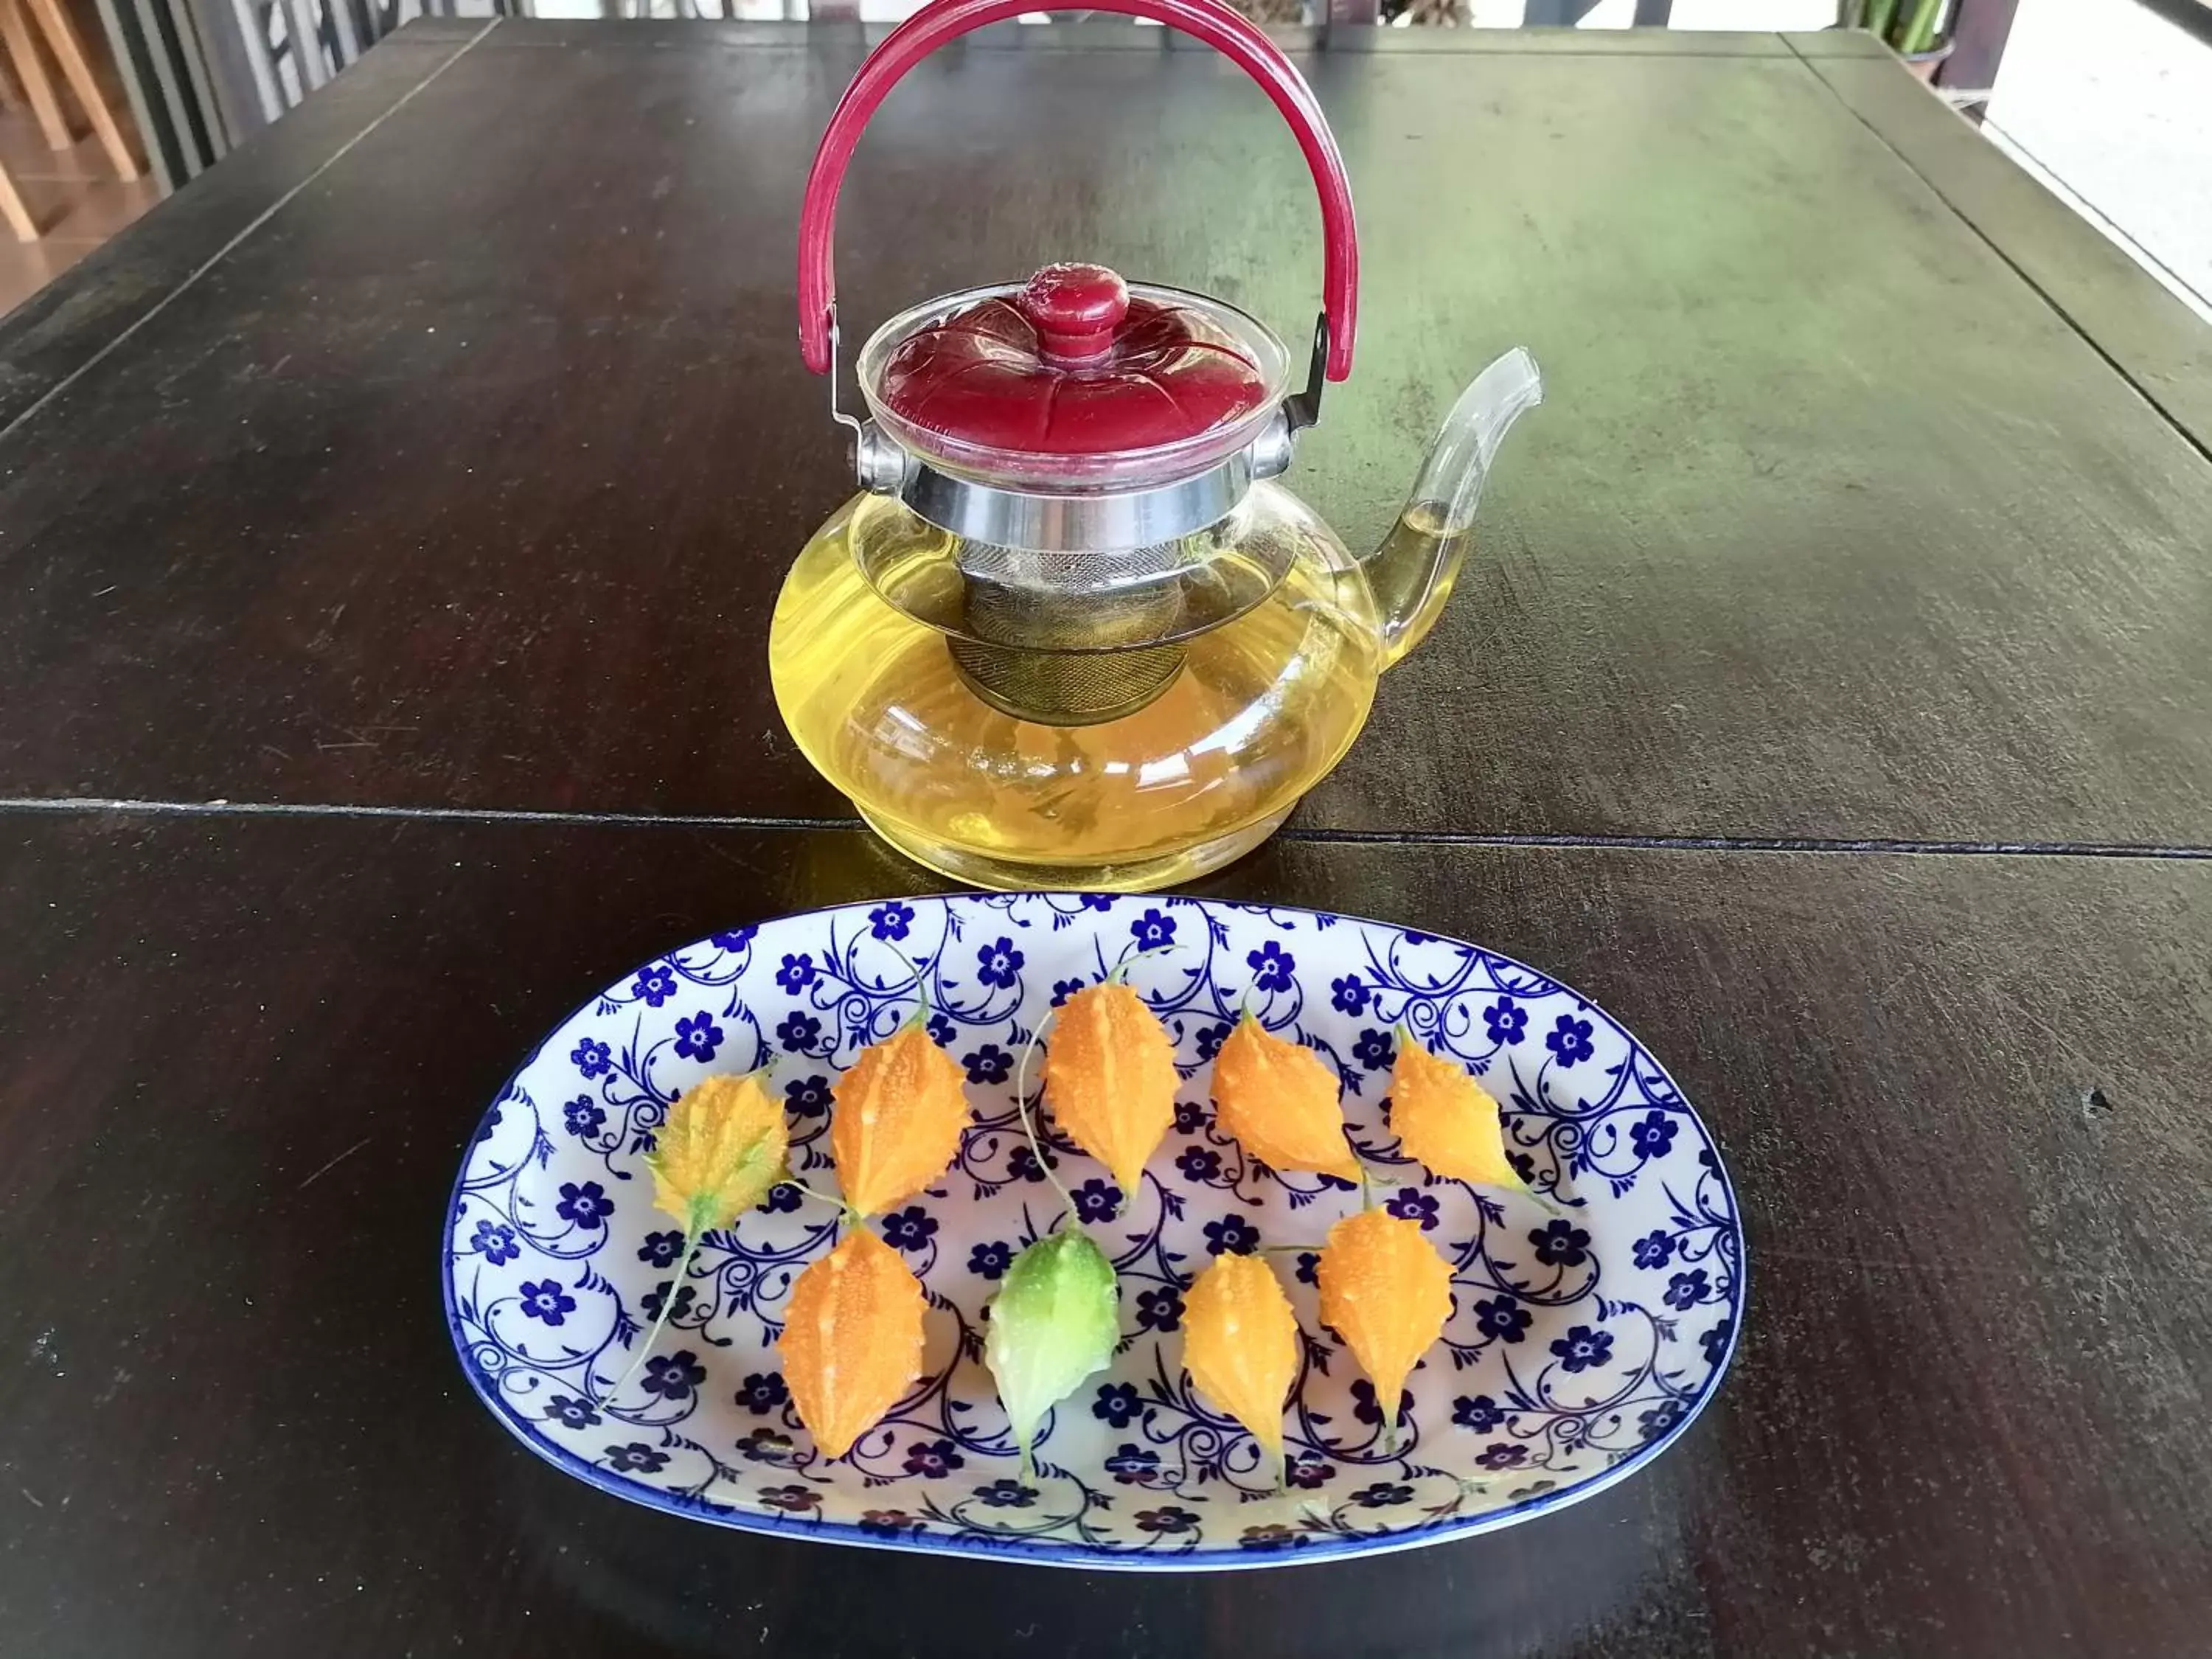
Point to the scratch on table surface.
(334, 1164)
(26, 1491)
(732, 859)
(1899, 983)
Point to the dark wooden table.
(387, 529)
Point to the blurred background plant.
(1911, 26)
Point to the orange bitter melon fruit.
(1387, 1292)
(1241, 1345)
(1280, 1099)
(851, 1340)
(1110, 1077)
(1447, 1120)
(900, 1111)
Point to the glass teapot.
(1071, 632)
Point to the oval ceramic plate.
(1582, 1339)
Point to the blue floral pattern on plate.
(1580, 1344)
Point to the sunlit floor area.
(74, 199)
(2111, 106)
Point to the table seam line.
(2104, 226)
(66, 805)
(2079, 329)
(2184, 852)
(251, 227)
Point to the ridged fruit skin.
(900, 1109)
(1241, 1345)
(1109, 1078)
(1387, 1292)
(1281, 1101)
(1448, 1121)
(851, 1340)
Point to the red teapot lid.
(1074, 364)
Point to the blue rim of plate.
(1081, 1555)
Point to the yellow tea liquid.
(1263, 706)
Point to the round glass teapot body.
(1137, 738)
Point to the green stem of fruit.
(920, 987)
(667, 1306)
(1119, 974)
(836, 1203)
(1029, 1130)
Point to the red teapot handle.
(1208, 20)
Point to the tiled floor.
(74, 195)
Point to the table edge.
(2143, 332)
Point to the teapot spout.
(1413, 571)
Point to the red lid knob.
(1071, 363)
(1076, 308)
